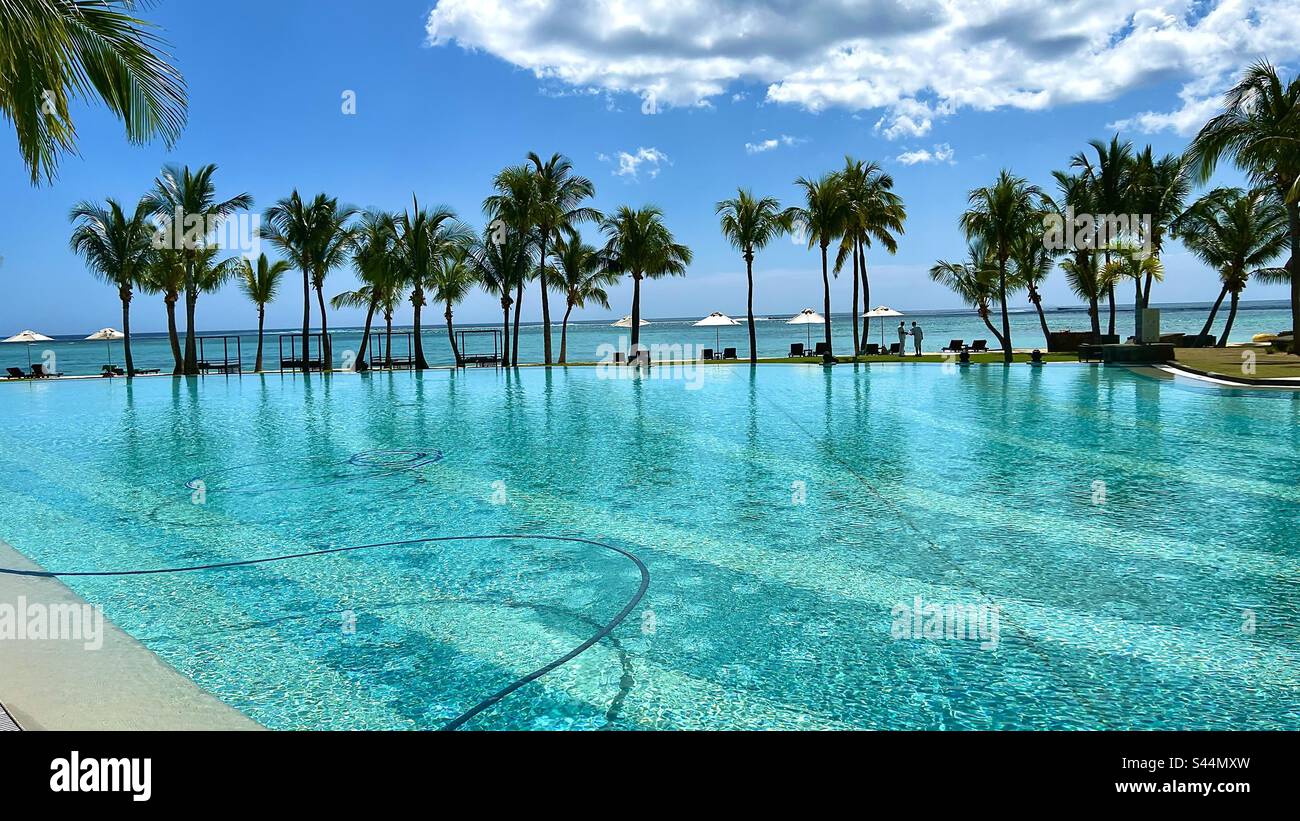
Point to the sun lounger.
(113, 370)
(708, 353)
(39, 372)
(796, 350)
(16, 373)
(142, 371)
(728, 353)
(895, 348)
(822, 349)
(953, 346)
(641, 356)
(979, 346)
(871, 349)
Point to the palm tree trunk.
(170, 301)
(519, 305)
(1232, 315)
(546, 306)
(191, 358)
(505, 328)
(1110, 299)
(1209, 323)
(388, 339)
(327, 349)
(125, 294)
(564, 332)
(261, 321)
(417, 302)
(984, 315)
(1137, 310)
(826, 300)
(1006, 318)
(636, 310)
(451, 336)
(360, 364)
(306, 318)
(1094, 314)
(866, 294)
(857, 339)
(749, 275)
(1293, 267)
(1037, 299)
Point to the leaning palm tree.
(822, 219)
(1033, 263)
(1260, 129)
(165, 274)
(512, 211)
(452, 280)
(1237, 234)
(1000, 215)
(581, 274)
(556, 208)
(638, 244)
(186, 203)
(975, 281)
(55, 51)
(749, 223)
(259, 283)
(1076, 195)
(423, 236)
(117, 249)
(1109, 177)
(372, 257)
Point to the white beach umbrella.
(108, 335)
(882, 311)
(716, 320)
(807, 317)
(28, 336)
(626, 322)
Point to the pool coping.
(1222, 380)
(54, 684)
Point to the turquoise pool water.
(1136, 537)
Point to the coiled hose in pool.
(486, 703)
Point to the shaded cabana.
(480, 358)
(379, 351)
(232, 355)
(299, 351)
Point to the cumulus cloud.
(771, 143)
(631, 164)
(940, 153)
(914, 61)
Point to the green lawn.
(1230, 362)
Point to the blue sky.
(438, 120)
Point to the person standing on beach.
(902, 338)
(917, 336)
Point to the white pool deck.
(54, 684)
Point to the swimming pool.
(1133, 539)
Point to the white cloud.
(915, 61)
(631, 164)
(941, 153)
(769, 144)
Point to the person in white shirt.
(902, 338)
(917, 336)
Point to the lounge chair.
(728, 353)
(871, 349)
(641, 356)
(16, 373)
(822, 349)
(895, 348)
(142, 371)
(708, 353)
(979, 346)
(39, 372)
(796, 350)
(113, 370)
(953, 346)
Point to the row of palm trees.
(1237, 232)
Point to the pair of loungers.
(727, 353)
(978, 346)
(38, 372)
(113, 370)
(639, 357)
(798, 350)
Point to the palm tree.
(512, 210)
(259, 284)
(1109, 179)
(637, 243)
(55, 51)
(117, 249)
(453, 278)
(558, 194)
(1237, 234)
(1001, 215)
(580, 272)
(372, 256)
(822, 218)
(1088, 282)
(186, 203)
(1082, 272)
(335, 238)
(975, 281)
(875, 212)
(1159, 187)
(1033, 263)
(749, 223)
(291, 226)
(165, 274)
(500, 263)
(1260, 129)
(1132, 263)
(423, 236)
